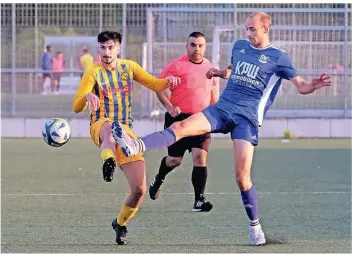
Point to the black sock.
(164, 170)
(199, 179)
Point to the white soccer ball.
(56, 132)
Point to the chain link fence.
(317, 36)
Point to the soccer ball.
(56, 132)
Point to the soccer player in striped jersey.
(106, 89)
(254, 77)
(192, 95)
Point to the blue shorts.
(224, 122)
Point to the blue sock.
(250, 202)
(159, 140)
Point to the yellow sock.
(126, 214)
(106, 154)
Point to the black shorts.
(57, 76)
(47, 74)
(180, 147)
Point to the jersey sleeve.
(147, 80)
(233, 51)
(85, 87)
(284, 67)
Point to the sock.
(106, 154)
(199, 179)
(159, 140)
(126, 214)
(250, 202)
(163, 169)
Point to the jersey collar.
(194, 62)
(269, 46)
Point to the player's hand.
(322, 81)
(212, 73)
(173, 81)
(174, 111)
(93, 102)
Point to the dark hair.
(48, 47)
(196, 35)
(109, 35)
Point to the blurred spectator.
(86, 60)
(46, 68)
(97, 58)
(336, 77)
(81, 53)
(58, 68)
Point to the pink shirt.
(193, 94)
(58, 63)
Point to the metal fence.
(317, 36)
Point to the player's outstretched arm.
(215, 93)
(165, 100)
(304, 87)
(151, 82)
(224, 73)
(85, 88)
(169, 70)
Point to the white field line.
(178, 193)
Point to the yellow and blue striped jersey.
(114, 89)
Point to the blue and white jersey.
(255, 79)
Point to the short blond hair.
(263, 16)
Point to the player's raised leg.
(100, 132)
(136, 177)
(108, 151)
(245, 137)
(196, 124)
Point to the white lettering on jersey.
(246, 74)
(250, 70)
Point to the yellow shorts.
(120, 157)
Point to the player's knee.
(105, 131)
(242, 174)
(180, 128)
(173, 162)
(139, 191)
(243, 181)
(176, 127)
(199, 160)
